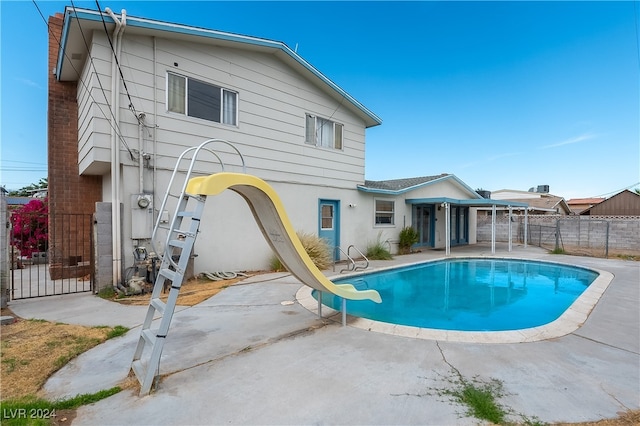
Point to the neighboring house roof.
(514, 194)
(73, 51)
(18, 201)
(580, 201)
(624, 203)
(547, 203)
(542, 201)
(578, 205)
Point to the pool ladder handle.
(352, 265)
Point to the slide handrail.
(272, 219)
(204, 146)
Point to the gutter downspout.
(155, 140)
(116, 228)
(141, 118)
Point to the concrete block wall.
(103, 263)
(623, 233)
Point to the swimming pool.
(470, 294)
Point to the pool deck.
(254, 354)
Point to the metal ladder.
(181, 236)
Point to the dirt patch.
(191, 293)
(629, 418)
(599, 252)
(32, 350)
(64, 417)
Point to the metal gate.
(578, 236)
(544, 236)
(51, 254)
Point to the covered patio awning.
(446, 202)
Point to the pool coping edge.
(570, 320)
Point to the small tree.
(28, 190)
(31, 227)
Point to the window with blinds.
(198, 99)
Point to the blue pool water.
(469, 294)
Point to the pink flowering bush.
(31, 227)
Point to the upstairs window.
(322, 132)
(385, 213)
(201, 100)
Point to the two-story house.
(127, 95)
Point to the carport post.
(510, 229)
(493, 229)
(526, 225)
(447, 229)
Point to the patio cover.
(446, 202)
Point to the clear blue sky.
(501, 94)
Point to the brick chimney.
(72, 197)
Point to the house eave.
(483, 202)
(421, 185)
(68, 68)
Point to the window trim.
(337, 128)
(185, 105)
(376, 212)
(332, 217)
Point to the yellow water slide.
(269, 213)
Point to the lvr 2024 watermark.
(28, 413)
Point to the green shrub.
(408, 237)
(107, 293)
(275, 265)
(377, 251)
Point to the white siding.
(272, 100)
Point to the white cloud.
(505, 155)
(29, 82)
(577, 139)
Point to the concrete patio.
(245, 357)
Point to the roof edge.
(420, 185)
(482, 202)
(132, 21)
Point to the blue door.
(329, 224)
(459, 225)
(424, 223)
